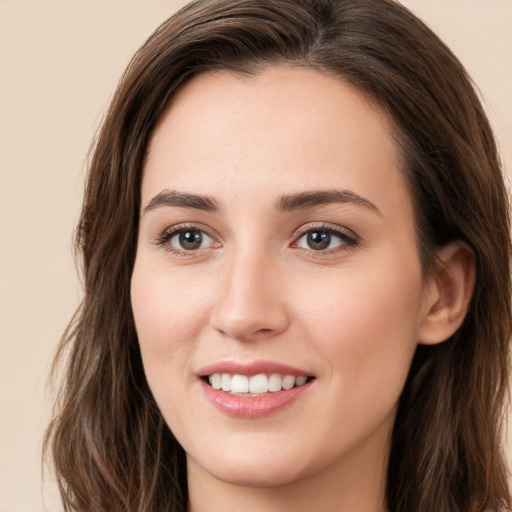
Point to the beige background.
(59, 63)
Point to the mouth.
(257, 385)
(254, 389)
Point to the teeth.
(300, 380)
(258, 384)
(288, 381)
(274, 382)
(239, 384)
(255, 385)
(216, 381)
(226, 382)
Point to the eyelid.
(348, 237)
(168, 233)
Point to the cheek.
(168, 319)
(367, 331)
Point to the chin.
(256, 475)
(252, 470)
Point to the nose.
(251, 302)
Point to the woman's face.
(276, 248)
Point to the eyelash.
(347, 238)
(165, 238)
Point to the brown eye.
(318, 240)
(325, 239)
(190, 240)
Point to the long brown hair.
(110, 446)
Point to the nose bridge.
(251, 304)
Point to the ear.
(448, 293)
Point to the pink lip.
(253, 368)
(252, 406)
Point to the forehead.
(286, 127)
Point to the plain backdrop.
(59, 64)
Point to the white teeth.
(258, 384)
(239, 384)
(274, 382)
(216, 381)
(226, 382)
(288, 381)
(300, 380)
(255, 385)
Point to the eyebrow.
(182, 200)
(285, 203)
(306, 200)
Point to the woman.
(295, 247)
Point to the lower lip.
(253, 406)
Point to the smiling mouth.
(255, 385)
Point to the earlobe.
(449, 293)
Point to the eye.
(183, 239)
(190, 240)
(324, 239)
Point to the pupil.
(319, 240)
(190, 240)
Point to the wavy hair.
(110, 446)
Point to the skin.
(351, 316)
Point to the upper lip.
(252, 368)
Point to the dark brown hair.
(111, 448)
